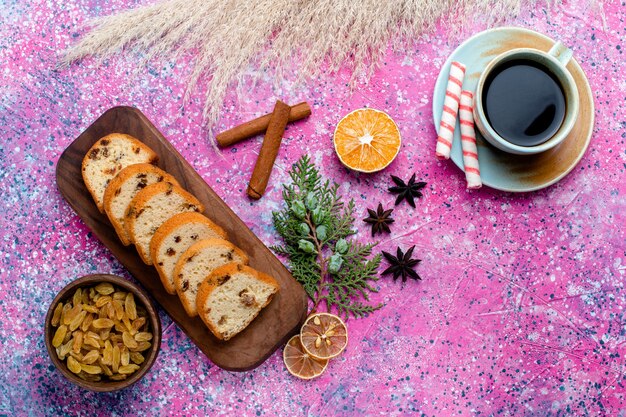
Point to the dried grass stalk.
(227, 36)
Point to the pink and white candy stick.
(468, 141)
(450, 109)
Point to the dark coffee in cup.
(524, 102)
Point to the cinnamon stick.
(259, 125)
(269, 150)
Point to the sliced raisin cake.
(197, 263)
(232, 296)
(150, 208)
(174, 237)
(107, 157)
(124, 187)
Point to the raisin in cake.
(174, 237)
(124, 187)
(232, 296)
(107, 157)
(197, 263)
(150, 208)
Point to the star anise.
(409, 191)
(402, 265)
(379, 219)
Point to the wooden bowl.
(141, 299)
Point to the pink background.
(521, 310)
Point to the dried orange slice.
(301, 364)
(367, 140)
(324, 335)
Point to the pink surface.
(521, 310)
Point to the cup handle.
(561, 52)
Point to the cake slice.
(174, 237)
(232, 296)
(197, 263)
(150, 208)
(107, 157)
(124, 187)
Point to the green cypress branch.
(315, 225)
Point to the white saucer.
(500, 170)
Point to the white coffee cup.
(555, 61)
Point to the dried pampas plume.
(226, 36)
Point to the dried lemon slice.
(324, 335)
(367, 140)
(299, 363)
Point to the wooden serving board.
(274, 325)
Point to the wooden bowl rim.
(155, 323)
